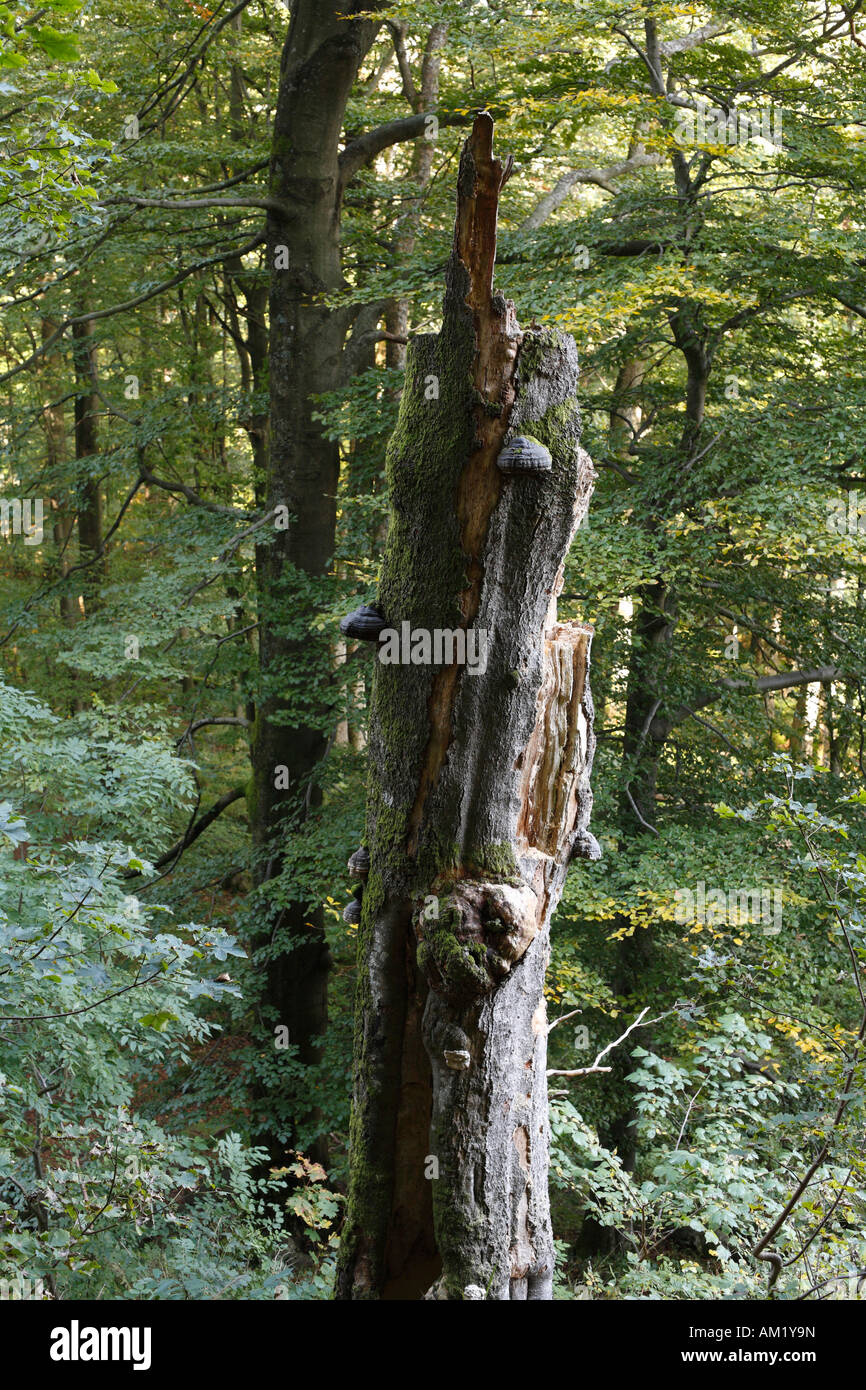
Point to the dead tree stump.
(478, 797)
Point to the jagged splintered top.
(469, 277)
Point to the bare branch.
(184, 204)
(601, 177)
(367, 146)
(193, 497)
(563, 1018)
(595, 1067)
(193, 831)
(692, 40)
(193, 728)
(645, 823)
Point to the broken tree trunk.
(478, 797)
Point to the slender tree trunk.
(646, 731)
(90, 503)
(478, 796)
(54, 423)
(643, 741)
(397, 313)
(252, 347)
(624, 410)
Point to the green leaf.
(159, 1021)
(63, 48)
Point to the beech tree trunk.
(478, 797)
(324, 49)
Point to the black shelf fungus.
(359, 863)
(523, 454)
(365, 623)
(352, 912)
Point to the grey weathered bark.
(478, 796)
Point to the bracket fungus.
(365, 623)
(524, 454)
(352, 912)
(359, 863)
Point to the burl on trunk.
(478, 797)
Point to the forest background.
(182, 730)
